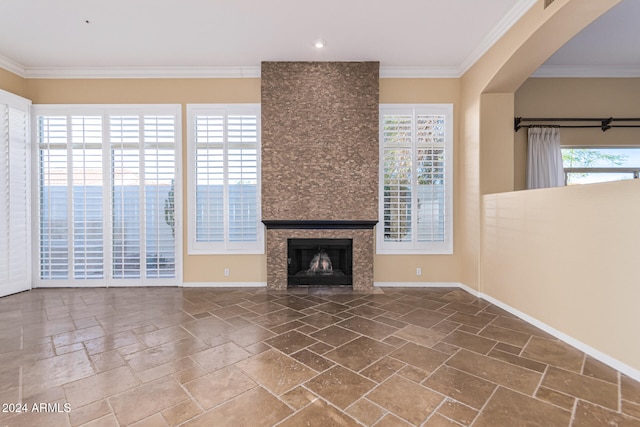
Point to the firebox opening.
(319, 262)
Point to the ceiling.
(209, 38)
(606, 48)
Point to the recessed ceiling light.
(319, 44)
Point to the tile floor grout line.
(542, 377)
(574, 408)
(619, 376)
(111, 411)
(480, 411)
(444, 400)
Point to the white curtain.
(544, 158)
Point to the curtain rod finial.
(516, 123)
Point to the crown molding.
(196, 72)
(546, 71)
(418, 72)
(605, 71)
(142, 73)
(12, 66)
(499, 30)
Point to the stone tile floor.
(312, 356)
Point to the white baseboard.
(417, 284)
(596, 354)
(585, 348)
(224, 284)
(472, 291)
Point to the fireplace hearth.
(319, 262)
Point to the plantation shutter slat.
(210, 178)
(19, 184)
(159, 173)
(54, 198)
(397, 175)
(430, 177)
(242, 177)
(87, 182)
(15, 181)
(126, 218)
(5, 196)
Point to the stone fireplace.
(320, 161)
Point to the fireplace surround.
(319, 155)
(359, 233)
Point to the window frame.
(444, 247)
(106, 111)
(225, 246)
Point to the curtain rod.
(605, 123)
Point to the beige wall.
(496, 156)
(577, 97)
(12, 83)
(139, 91)
(569, 258)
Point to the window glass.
(599, 164)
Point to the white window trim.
(106, 110)
(225, 247)
(414, 247)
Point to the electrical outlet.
(418, 271)
(226, 272)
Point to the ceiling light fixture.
(319, 44)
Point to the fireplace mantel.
(319, 224)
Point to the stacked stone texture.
(320, 154)
(362, 255)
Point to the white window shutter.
(210, 178)
(54, 200)
(242, 176)
(416, 180)
(224, 188)
(5, 195)
(124, 135)
(15, 195)
(159, 193)
(87, 183)
(109, 195)
(19, 200)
